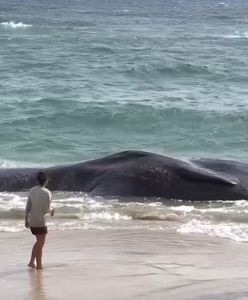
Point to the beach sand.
(124, 264)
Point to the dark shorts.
(38, 230)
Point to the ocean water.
(81, 79)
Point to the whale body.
(140, 174)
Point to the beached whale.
(141, 174)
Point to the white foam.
(230, 231)
(223, 4)
(183, 208)
(12, 24)
(241, 203)
(108, 216)
(9, 226)
(10, 229)
(155, 204)
(10, 201)
(238, 35)
(77, 225)
(6, 164)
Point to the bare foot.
(39, 268)
(32, 265)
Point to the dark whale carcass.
(141, 174)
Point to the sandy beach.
(124, 264)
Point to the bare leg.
(39, 247)
(31, 263)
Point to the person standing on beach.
(38, 205)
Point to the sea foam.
(238, 35)
(12, 24)
(234, 232)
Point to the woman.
(38, 205)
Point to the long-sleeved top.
(38, 205)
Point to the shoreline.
(124, 264)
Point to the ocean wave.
(81, 211)
(169, 217)
(106, 113)
(223, 4)
(161, 69)
(18, 214)
(14, 25)
(7, 164)
(65, 225)
(234, 232)
(9, 226)
(109, 216)
(14, 214)
(237, 35)
(157, 127)
(102, 49)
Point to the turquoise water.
(81, 79)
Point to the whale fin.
(196, 174)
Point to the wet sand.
(124, 264)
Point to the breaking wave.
(225, 219)
(14, 25)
